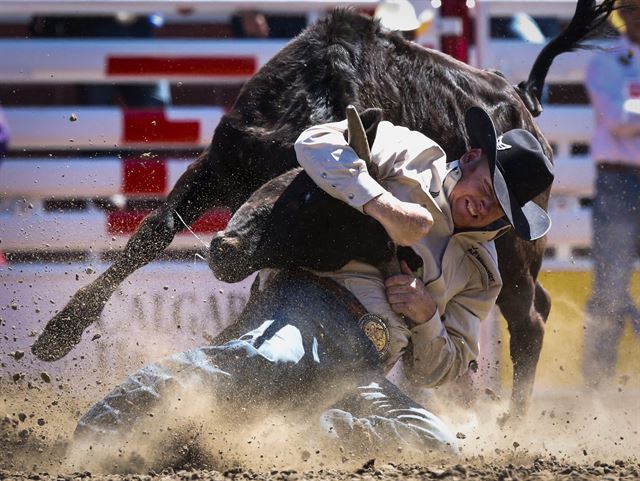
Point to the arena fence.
(79, 178)
(146, 171)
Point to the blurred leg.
(616, 229)
(378, 418)
(307, 353)
(305, 345)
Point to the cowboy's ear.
(470, 156)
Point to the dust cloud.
(595, 432)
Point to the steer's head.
(237, 252)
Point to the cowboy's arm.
(446, 343)
(327, 158)
(443, 347)
(325, 155)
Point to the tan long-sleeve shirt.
(460, 269)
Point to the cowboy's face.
(473, 200)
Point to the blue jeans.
(301, 354)
(616, 234)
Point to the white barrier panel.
(206, 61)
(98, 128)
(571, 223)
(79, 231)
(185, 7)
(133, 60)
(82, 178)
(506, 8)
(574, 176)
(89, 231)
(34, 230)
(78, 178)
(566, 125)
(108, 128)
(514, 58)
(161, 309)
(23, 229)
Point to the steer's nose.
(227, 258)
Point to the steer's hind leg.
(194, 193)
(525, 308)
(525, 305)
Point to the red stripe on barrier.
(125, 222)
(218, 66)
(144, 176)
(213, 220)
(142, 126)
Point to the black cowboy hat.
(519, 169)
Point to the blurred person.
(254, 24)
(398, 15)
(155, 94)
(613, 82)
(250, 24)
(4, 142)
(4, 134)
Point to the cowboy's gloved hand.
(409, 296)
(405, 222)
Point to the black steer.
(340, 60)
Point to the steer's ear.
(356, 135)
(361, 131)
(370, 120)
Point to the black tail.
(586, 19)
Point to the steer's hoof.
(58, 338)
(65, 329)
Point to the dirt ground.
(539, 469)
(565, 436)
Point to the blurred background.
(106, 102)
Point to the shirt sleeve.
(444, 346)
(608, 96)
(325, 155)
(401, 156)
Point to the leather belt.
(373, 326)
(346, 298)
(618, 168)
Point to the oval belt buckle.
(377, 331)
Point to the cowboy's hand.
(405, 222)
(408, 296)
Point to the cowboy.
(449, 214)
(299, 349)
